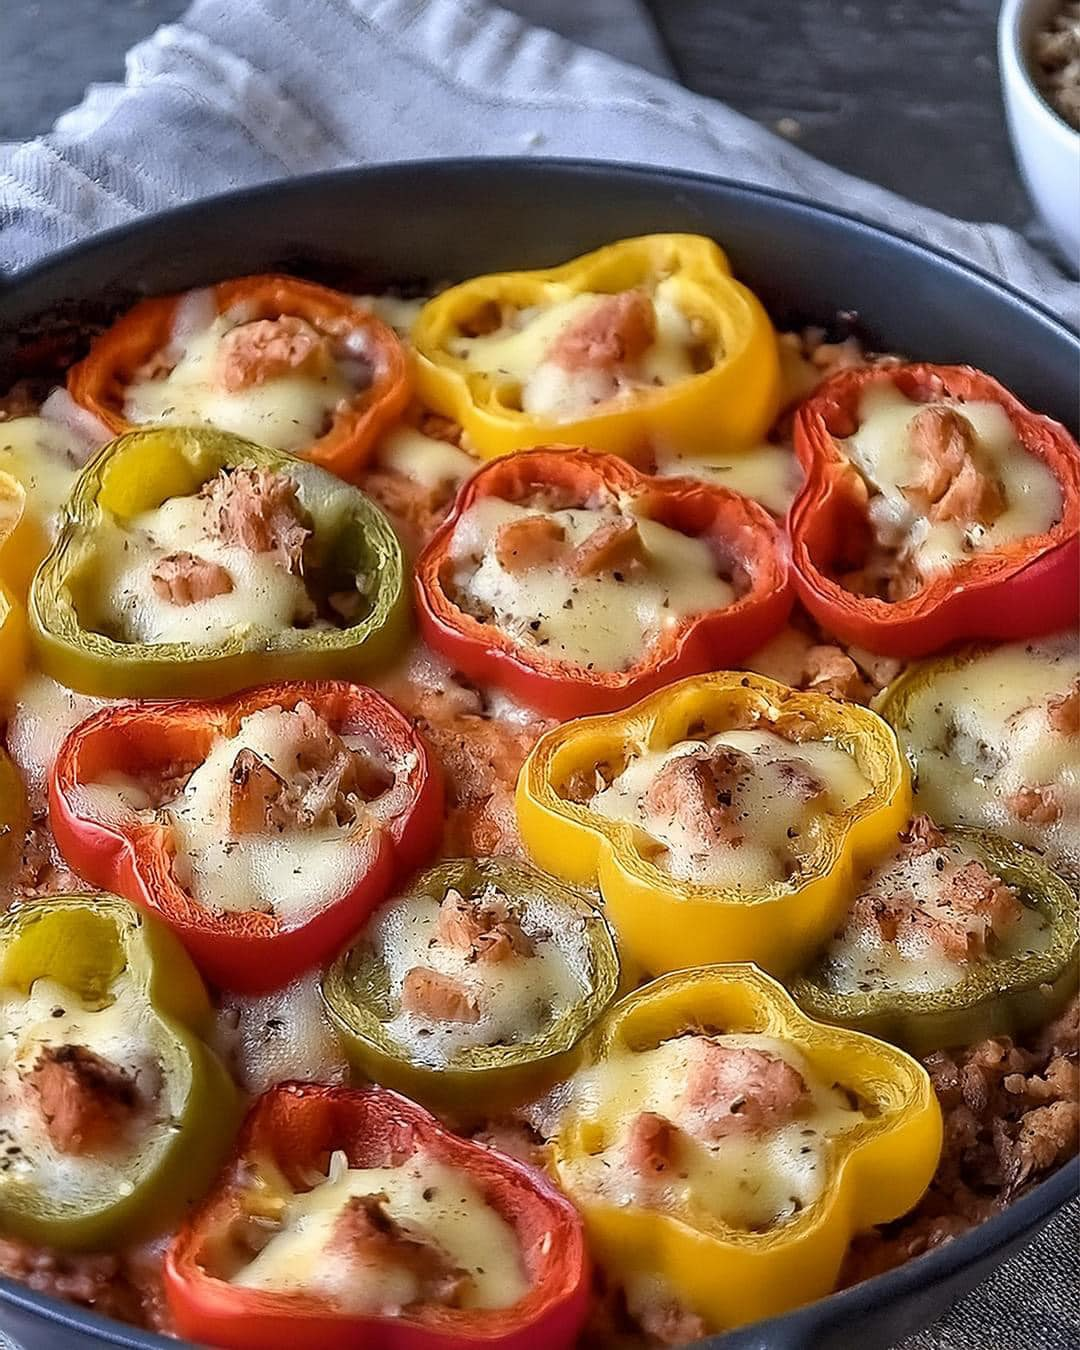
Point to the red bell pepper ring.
(295, 1126)
(249, 951)
(743, 537)
(1025, 589)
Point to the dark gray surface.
(903, 92)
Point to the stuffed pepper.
(723, 1149)
(936, 506)
(280, 361)
(648, 341)
(194, 563)
(955, 937)
(351, 1217)
(114, 1112)
(263, 829)
(721, 818)
(578, 584)
(473, 990)
(992, 737)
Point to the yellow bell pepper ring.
(663, 922)
(707, 355)
(877, 1164)
(13, 631)
(24, 537)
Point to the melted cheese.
(880, 449)
(424, 1195)
(432, 463)
(596, 621)
(294, 873)
(515, 356)
(265, 598)
(270, 1038)
(750, 1180)
(859, 959)
(286, 411)
(41, 456)
(43, 714)
(119, 1031)
(400, 314)
(770, 474)
(762, 803)
(979, 733)
(518, 998)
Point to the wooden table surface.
(903, 92)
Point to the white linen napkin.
(244, 91)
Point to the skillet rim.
(527, 164)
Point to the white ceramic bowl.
(1047, 148)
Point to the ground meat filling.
(367, 1234)
(257, 510)
(185, 579)
(731, 810)
(539, 541)
(280, 380)
(328, 788)
(481, 749)
(87, 1102)
(612, 336)
(124, 1285)
(730, 1091)
(1012, 1115)
(253, 353)
(486, 930)
(1042, 803)
(952, 483)
(953, 480)
(698, 792)
(438, 996)
(939, 483)
(974, 907)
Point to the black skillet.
(411, 224)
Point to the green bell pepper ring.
(352, 544)
(111, 975)
(477, 1080)
(1001, 995)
